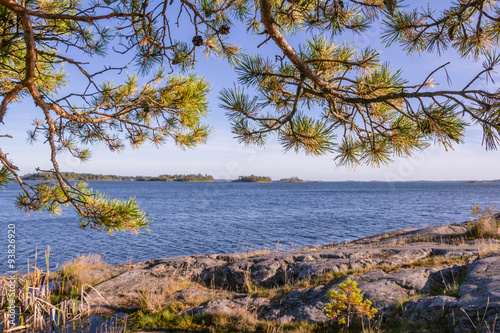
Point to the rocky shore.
(432, 277)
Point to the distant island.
(291, 180)
(483, 181)
(252, 179)
(178, 178)
(73, 176)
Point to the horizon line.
(274, 180)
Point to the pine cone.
(197, 40)
(224, 29)
(391, 5)
(451, 32)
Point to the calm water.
(196, 218)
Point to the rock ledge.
(427, 275)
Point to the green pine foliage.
(6, 177)
(96, 210)
(320, 97)
(370, 111)
(39, 42)
(101, 212)
(46, 197)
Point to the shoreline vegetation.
(252, 179)
(434, 279)
(74, 176)
(291, 180)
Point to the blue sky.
(223, 157)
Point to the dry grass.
(456, 240)
(439, 261)
(252, 288)
(195, 299)
(227, 320)
(157, 299)
(402, 302)
(449, 288)
(483, 228)
(238, 319)
(486, 226)
(35, 311)
(77, 274)
(479, 321)
(232, 320)
(487, 247)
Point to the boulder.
(122, 291)
(229, 307)
(479, 302)
(299, 305)
(431, 311)
(383, 293)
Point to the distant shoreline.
(196, 178)
(72, 176)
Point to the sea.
(224, 217)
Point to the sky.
(224, 158)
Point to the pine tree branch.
(281, 42)
(9, 97)
(3, 157)
(13, 170)
(20, 10)
(273, 31)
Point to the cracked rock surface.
(405, 273)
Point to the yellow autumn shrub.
(348, 303)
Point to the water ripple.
(194, 218)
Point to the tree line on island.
(73, 176)
(260, 179)
(253, 179)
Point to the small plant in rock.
(348, 303)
